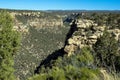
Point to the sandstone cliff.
(86, 34)
(39, 20)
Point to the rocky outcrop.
(25, 13)
(86, 35)
(19, 26)
(44, 22)
(115, 32)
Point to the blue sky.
(61, 4)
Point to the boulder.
(70, 49)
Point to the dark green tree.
(106, 49)
(9, 43)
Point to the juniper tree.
(9, 43)
(106, 49)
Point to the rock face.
(35, 19)
(86, 35)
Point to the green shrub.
(75, 67)
(68, 73)
(85, 56)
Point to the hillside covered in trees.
(59, 45)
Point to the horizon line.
(62, 9)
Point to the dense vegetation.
(76, 67)
(106, 49)
(9, 43)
